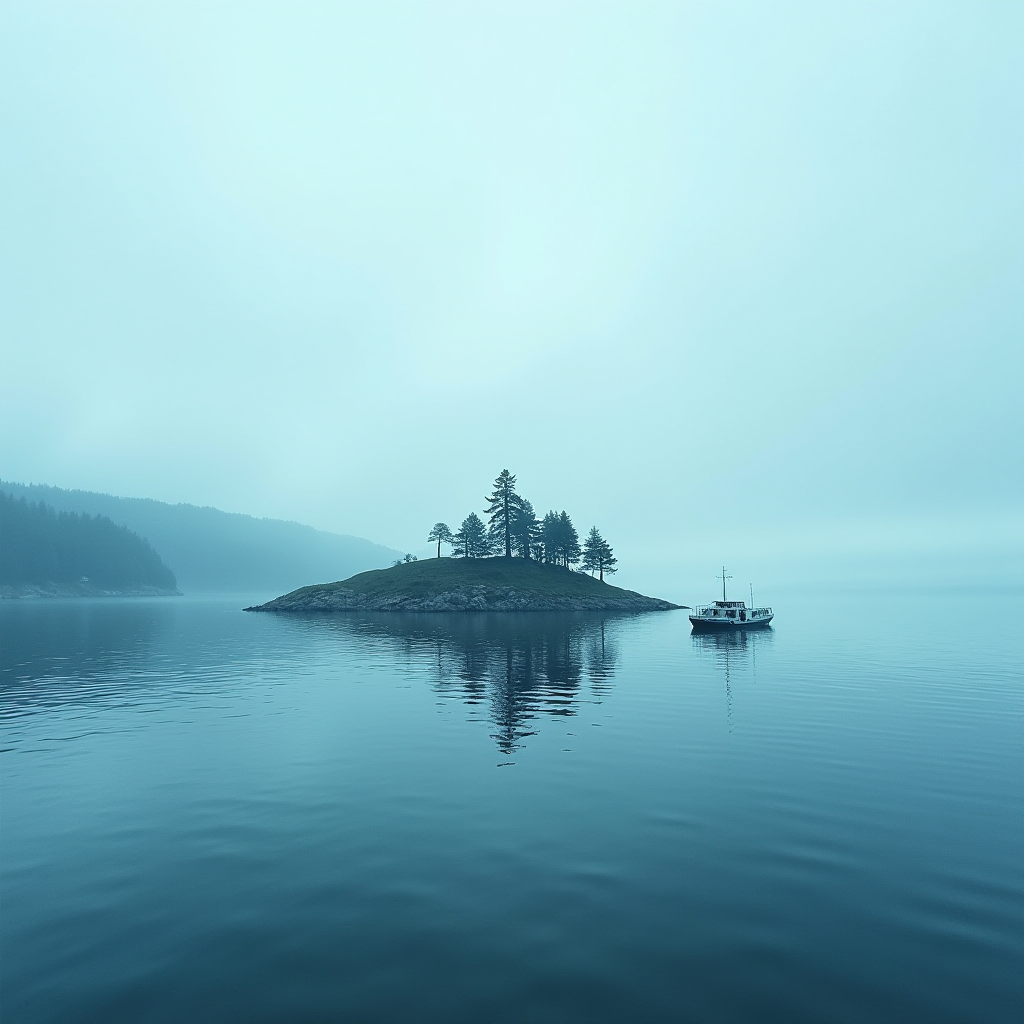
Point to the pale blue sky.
(671, 263)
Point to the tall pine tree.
(501, 505)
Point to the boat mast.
(724, 578)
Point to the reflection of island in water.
(521, 666)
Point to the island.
(466, 585)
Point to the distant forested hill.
(43, 551)
(215, 551)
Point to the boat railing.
(708, 610)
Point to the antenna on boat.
(724, 578)
(751, 595)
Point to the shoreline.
(473, 585)
(45, 591)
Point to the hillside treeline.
(40, 546)
(223, 552)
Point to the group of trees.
(513, 530)
(41, 546)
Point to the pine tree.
(441, 534)
(525, 528)
(560, 539)
(569, 540)
(549, 537)
(501, 505)
(608, 561)
(597, 555)
(471, 540)
(460, 542)
(593, 548)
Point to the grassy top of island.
(466, 584)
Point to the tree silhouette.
(592, 551)
(441, 534)
(597, 554)
(501, 505)
(471, 540)
(569, 540)
(561, 541)
(608, 560)
(513, 528)
(525, 529)
(549, 537)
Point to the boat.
(729, 615)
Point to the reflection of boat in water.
(742, 644)
(732, 650)
(727, 616)
(722, 642)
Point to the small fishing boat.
(729, 615)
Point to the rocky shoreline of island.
(469, 599)
(466, 585)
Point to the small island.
(515, 563)
(494, 584)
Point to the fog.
(731, 281)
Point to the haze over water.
(727, 280)
(209, 815)
(732, 282)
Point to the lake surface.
(207, 815)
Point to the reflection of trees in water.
(528, 666)
(602, 654)
(522, 665)
(510, 710)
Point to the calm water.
(208, 815)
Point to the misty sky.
(673, 264)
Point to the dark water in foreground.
(208, 815)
